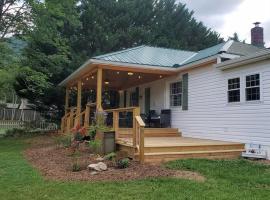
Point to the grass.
(2, 131)
(237, 179)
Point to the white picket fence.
(19, 115)
(8, 124)
(44, 126)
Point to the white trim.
(169, 93)
(244, 60)
(234, 102)
(260, 86)
(226, 46)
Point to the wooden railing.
(70, 119)
(139, 142)
(135, 112)
(137, 128)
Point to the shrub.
(95, 145)
(76, 167)
(15, 132)
(75, 162)
(79, 132)
(65, 140)
(110, 156)
(123, 163)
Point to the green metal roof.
(205, 53)
(163, 57)
(168, 58)
(147, 55)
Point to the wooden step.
(168, 156)
(164, 149)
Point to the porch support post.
(66, 100)
(86, 116)
(99, 90)
(79, 97)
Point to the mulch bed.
(55, 163)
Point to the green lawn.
(238, 179)
(2, 132)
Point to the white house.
(219, 93)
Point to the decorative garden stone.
(98, 167)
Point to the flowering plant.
(78, 132)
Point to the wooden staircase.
(163, 145)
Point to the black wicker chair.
(165, 118)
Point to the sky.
(230, 16)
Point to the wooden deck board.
(177, 141)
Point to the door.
(147, 101)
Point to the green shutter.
(185, 92)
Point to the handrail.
(140, 121)
(139, 127)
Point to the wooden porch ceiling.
(120, 79)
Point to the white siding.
(210, 116)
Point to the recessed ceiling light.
(118, 72)
(160, 76)
(130, 73)
(92, 77)
(139, 77)
(87, 78)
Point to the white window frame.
(228, 90)
(260, 87)
(180, 93)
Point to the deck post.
(79, 97)
(116, 123)
(71, 116)
(66, 100)
(136, 112)
(99, 90)
(86, 116)
(141, 148)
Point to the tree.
(31, 84)
(235, 38)
(67, 32)
(14, 17)
(9, 65)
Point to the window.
(176, 94)
(253, 87)
(234, 90)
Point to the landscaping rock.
(94, 173)
(99, 159)
(98, 167)
(102, 166)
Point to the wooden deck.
(162, 149)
